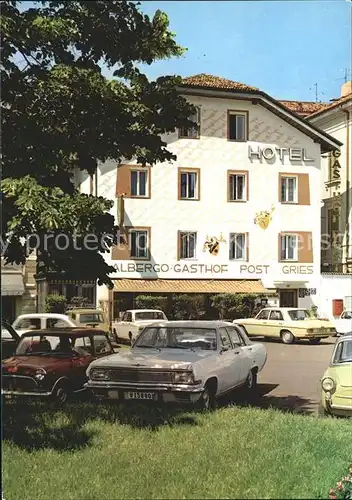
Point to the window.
(139, 186)
(235, 337)
(225, 339)
(5, 332)
(288, 189)
(189, 185)
(83, 346)
(276, 316)
(57, 323)
(264, 314)
(127, 317)
(237, 246)
(138, 244)
(237, 126)
(237, 186)
(149, 315)
(187, 243)
(102, 345)
(192, 132)
(289, 247)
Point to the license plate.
(149, 396)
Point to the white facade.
(213, 215)
(335, 287)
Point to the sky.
(282, 47)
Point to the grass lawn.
(101, 451)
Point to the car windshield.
(343, 353)
(177, 338)
(149, 315)
(298, 314)
(91, 318)
(46, 345)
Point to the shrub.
(188, 306)
(151, 302)
(55, 304)
(343, 488)
(232, 306)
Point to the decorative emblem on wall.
(212, 244)
(263, 218)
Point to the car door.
(260, 324)
(83, 347)
(244, 356)
(275, 323)
(9, 341)
(125, 325)
(229, 361)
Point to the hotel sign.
(271, 153)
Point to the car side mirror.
(224, 349)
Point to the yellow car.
(336, 384)
(88, 317)
(287, 323)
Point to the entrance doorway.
(288, 298)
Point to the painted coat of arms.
(263, 218)
(212, 244)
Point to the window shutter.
(305, 247)
(123, 180)
(303, 189)
(279, 247)
(121, 251)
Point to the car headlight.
(99, 374)
(183, 378)
(39, 374)
(328, 384)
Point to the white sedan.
(180, 362)
(41, 321)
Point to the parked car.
(85, 316)
(287, 323)
(9, 340)
(344, 323)
(180, 362)
(53, 363)
(41, 321)
(134, 320)
(336, 384)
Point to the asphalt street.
(290, 378)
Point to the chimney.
(346, 88)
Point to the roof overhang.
(327, 142)
(326, 113)
(189, 286)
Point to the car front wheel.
(207, 401)
(287, 337)
(61, 394)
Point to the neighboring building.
(18, 289)
(336, 191)
(237, 212)
(304, 108)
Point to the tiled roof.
(304, 108)
(189, 286)
(333, 105)
(216, 82)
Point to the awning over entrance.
(190, 286)
(12, 284)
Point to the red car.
(52, 363)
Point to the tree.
(61, 114)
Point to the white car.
(344, 323)
(41, 321)
(180, 362)
(134, 320)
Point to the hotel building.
(237, 212)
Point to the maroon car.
(53, 363)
